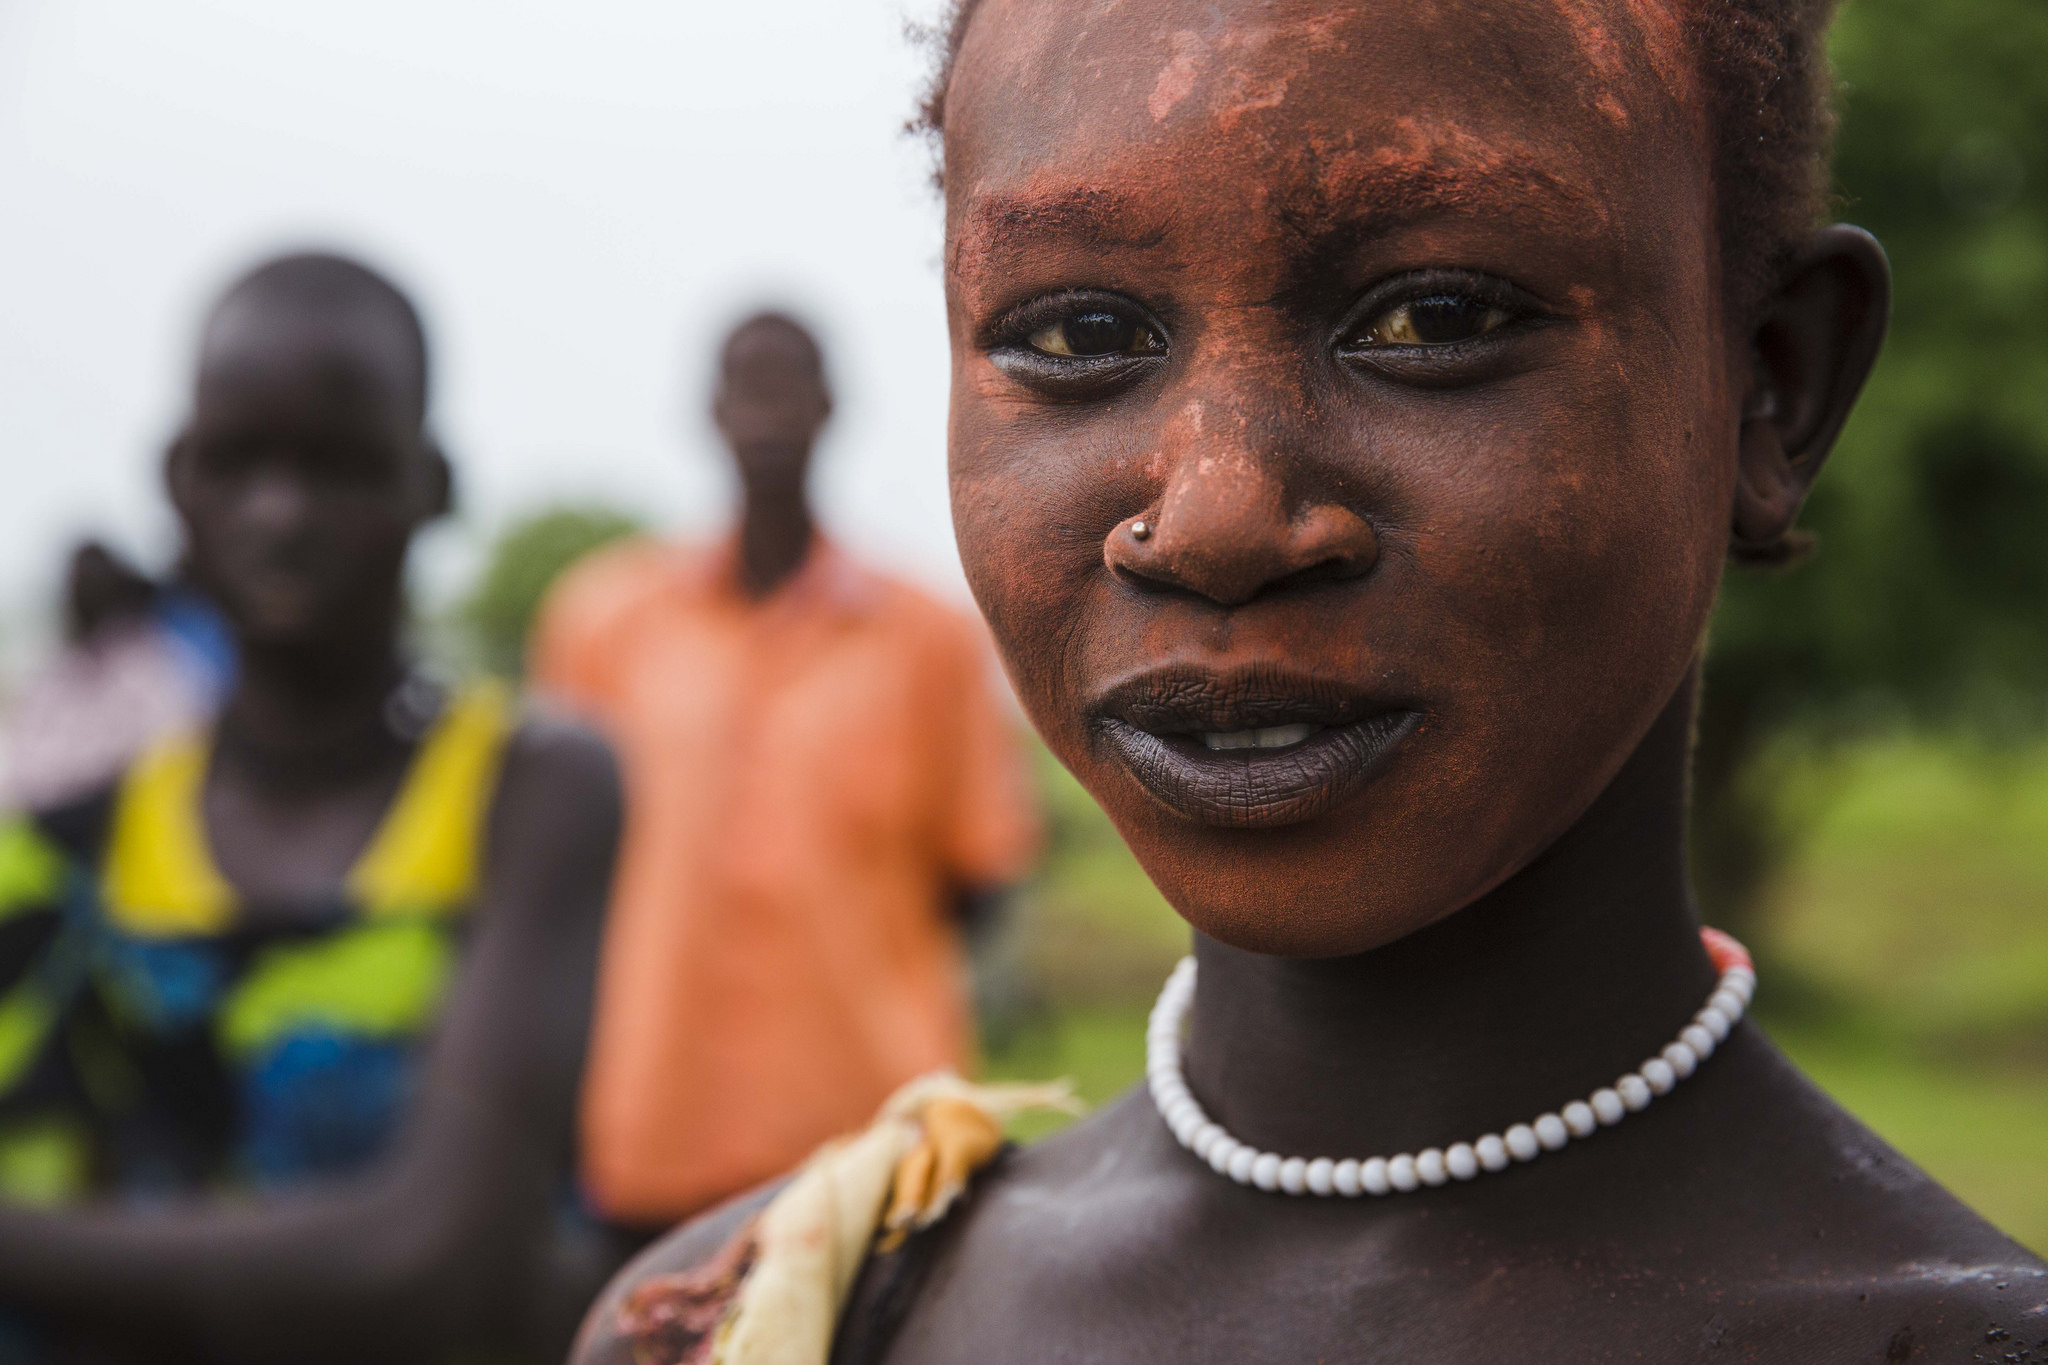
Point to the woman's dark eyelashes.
(1076, 342)
(1431, 327)
(1435, 312)
(1079, 326)
(1087, 333)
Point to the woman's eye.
(1441, 320)
(1096, 332)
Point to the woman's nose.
(274, 499)
(1225, 529)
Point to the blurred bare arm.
(439, 1235)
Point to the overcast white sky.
(579, 195)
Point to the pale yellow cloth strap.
(904, 1171)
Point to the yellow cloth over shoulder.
(797, 1261)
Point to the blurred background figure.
(822, 794)
(294, 1008)
(138, 659)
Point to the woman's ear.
(438, 494)
(177, 472)
(1816, 337)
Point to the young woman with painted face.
(1354, 405)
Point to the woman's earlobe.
(1816, 338)
(1769, 491)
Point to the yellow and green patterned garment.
(152, 1041)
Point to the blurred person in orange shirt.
(822, 793)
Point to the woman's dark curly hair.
(1765, 69)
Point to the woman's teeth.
(1271, 737)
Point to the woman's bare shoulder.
(1758, 1221)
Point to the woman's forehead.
(1336, 101)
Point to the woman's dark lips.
(1249, 752)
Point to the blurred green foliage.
(1092, 927)
(1928, 596)
(523, 564)
(1914, 906)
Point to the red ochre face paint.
(1398, 324)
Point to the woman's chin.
(1256, 912)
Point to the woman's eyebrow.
(1089, 215)
(1340, 204)
(1361, 197)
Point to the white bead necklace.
(1352, 1177)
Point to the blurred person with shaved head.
(821, 792)
(294, 1011)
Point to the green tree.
(1928, 595)
(524, 563)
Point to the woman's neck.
(301, 718)
(1559, 980)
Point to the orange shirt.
(808, 779)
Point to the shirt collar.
(827, 582)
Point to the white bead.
(1659, 1074)
(1634, 1091)
(1266, 1172)
(1608, 1108)
(1742, 983)
(1401, 1173)
(1579, 1117)
(1182, 1106)
(1205, 1140)
(1698, 1039)
(1493, 1153)
(1220, 1153)
(1684, 1061)
(1241, 1164)
(1551, 1132)
(1429, 1167)
(1345, 1178)
(1294, 1176)
(1319, 1176)
(1184, 1126)
(1522, 1143)
(1375, 1176)
(1714, 1022)
(1728, 1002)
(1461, 1161)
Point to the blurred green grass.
(1904, 955)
